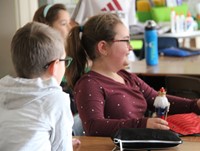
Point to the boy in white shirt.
(35, 112)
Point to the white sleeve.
(76, 10)
(80, 13)
(62, 122)
(86, 9)
(132, 13)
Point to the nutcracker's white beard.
(161, 101)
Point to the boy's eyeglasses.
(67, 60)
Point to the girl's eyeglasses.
(67, 60)
(127, 41)
(122, 40)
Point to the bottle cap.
(150, 24)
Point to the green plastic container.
(143, 16)
(161, 14)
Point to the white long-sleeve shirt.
(124, 8)
(34, 115)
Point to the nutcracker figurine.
(161, 104)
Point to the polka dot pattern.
(102, 101)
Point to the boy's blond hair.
(33, 47)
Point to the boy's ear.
(53, 68)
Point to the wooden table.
(168, 66)
(89, 143)
(95, 143)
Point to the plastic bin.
(161, 14)
(143, 16)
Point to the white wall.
(13, 14)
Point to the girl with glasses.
(108, 97)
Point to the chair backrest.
(184, 86)
(167, 42)
(78, 127)
(163, 42)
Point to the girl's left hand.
(76, 143)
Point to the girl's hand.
(157, 123)
(76, 143)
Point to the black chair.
(183, 86)
(166, 42)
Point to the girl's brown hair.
(51, 14)
(82, 41)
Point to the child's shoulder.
(55, 97)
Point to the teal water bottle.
(151, 43)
